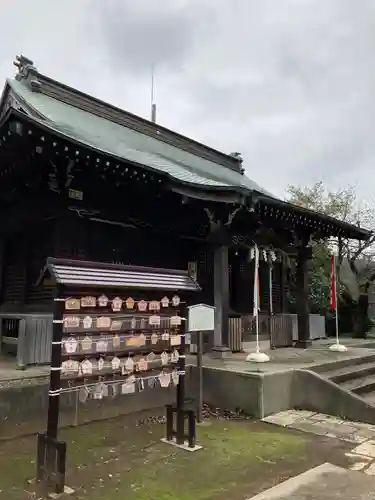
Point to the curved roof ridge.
(129, 144)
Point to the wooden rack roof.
(77, 273)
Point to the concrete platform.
(326, 482)
(291, 380)
(9, 373)
(280, 359)
(290, 357)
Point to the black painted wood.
(302, 296)
(221, 295)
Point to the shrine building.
(81, 179)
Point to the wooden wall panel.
(41, 246)
(15, 269)
(242, 287)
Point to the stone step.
(369, 398)
(360, 385)
(348, 373)
(328, 369)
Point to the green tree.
(356, 259)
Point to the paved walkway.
(329, 482)
(362, 436)
(326, 482)
(10, 376)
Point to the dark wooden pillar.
(283, 287)
(302, 296)
(220, 239)
(221, 298)
(2, 255)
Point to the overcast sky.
(288, 83)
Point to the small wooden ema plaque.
(175, 321)
(103, 301)
(154, 305)
(71, 322)
(116, 304)
(129, 302)
(103, 322)
(165, 302)
(72, 304)
(154, 320)
(88, 301)
(142, 306)
(87, 322)
(175, 301)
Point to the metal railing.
(277, 328)
(235, 333)
(281, 331)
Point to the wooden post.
(2, 262)
(283, 287)
(200, 376)
(221, 300)
(51, 453)
(180, 434)
(55, 373)
(302, 297)
(22, 344)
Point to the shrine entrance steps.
(344, 388)
(356, 376)
(317, 380)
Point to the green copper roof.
(123, 142)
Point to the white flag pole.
(257, 356)
(270, 289)
(336, 304)
(256, 297)
(336, 347)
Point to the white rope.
(108, 382)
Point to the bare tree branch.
(344, 205)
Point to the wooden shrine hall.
(81, 179)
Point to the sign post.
(201, 318)
(200, 377)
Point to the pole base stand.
(175, 426)
(51, 464)
(184, 446)
(257, 357)
(338, 348)
(67, 491)
(220, 352)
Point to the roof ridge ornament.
(239, 158)
(27, 72)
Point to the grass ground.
(116, 459)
